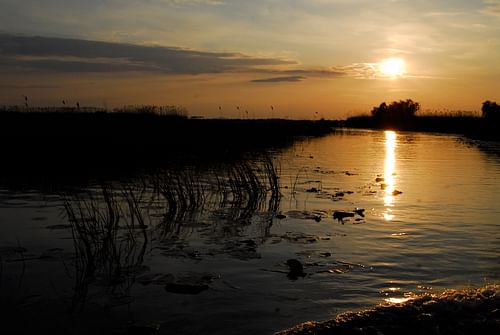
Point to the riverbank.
(89, 141)
(466, 311)
(172, 130)
(473, 127)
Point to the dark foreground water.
(204, 249)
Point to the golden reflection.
(388, 216)
(397, 300)
(389, 172)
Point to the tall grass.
(105, 225)
(240, 189)
(167, 110)
(113, 225)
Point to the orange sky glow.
(307, 59)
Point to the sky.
(306, 58)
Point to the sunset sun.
(392, 67)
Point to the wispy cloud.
(355, 70)
(74, 55)
(444, 14)
(359, 70)
(280, 79)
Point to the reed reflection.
(389, 173)
(115, 224)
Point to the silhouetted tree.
(380, 110)
(491, 110)
(396, 114)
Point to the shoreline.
(61, 146)
(472, 127)
(463, 311)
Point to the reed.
(104, 229)
(113, 225)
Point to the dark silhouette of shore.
(402, 115)
(79, 142)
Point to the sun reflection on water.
(397, 300)
(389, 173)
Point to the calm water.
(442, 231)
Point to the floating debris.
(184, 283)
(379, 179)
(340, 215)
(312, 190)
(250, 243)
(396, 192)
(280, 216)
(296, 269)
(315, 215)
(360, 211)
(340, 195)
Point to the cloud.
(359, 70)
(62, 55)
(280, 79)
(354, 70)
(492, 7)
(75, 55)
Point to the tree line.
(403, 111)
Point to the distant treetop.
(397, 113)
(491, 110)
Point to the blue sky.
(323, 53)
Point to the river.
(425, 217)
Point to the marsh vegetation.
(406, 115)
(115, 224)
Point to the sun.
(392, 67)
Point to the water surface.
(430, 222)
